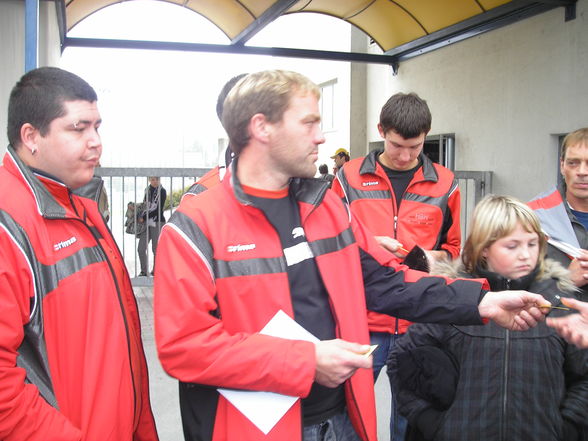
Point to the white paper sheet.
(570, 250)
(265, 409)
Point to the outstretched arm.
(573, 327)
(395, 290)
(515, 310)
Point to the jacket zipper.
(351, 391)
(395, 210)
(505, 378)
(337, 334)
(120, 301)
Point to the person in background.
(324, 171)
(187, 392)
(461, 383)
(273, 238)
(564, 211)
(340, 157)
(216, 175)
(72, 366)
(155, 197)
(406, 200)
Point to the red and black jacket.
(428, 216)
(222, 276)
(71, 357)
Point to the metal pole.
(450, 152)
(31, 34)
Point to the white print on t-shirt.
(297, 232)
(298, 253)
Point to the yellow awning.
(391, 24)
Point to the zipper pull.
(395, 224)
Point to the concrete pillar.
(358, 98)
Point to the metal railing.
(124, 185)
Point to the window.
(438, 148)
(327, 105)
(441, 149)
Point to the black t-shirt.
(310, 300)
(400, 180)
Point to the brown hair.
(577, 137)
(267, 92)
(406, 114)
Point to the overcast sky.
(164, 102)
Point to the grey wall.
(12, 56)
(12, 49)
(505, 94)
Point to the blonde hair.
(267, 92)
(494, 218)
(577, 137)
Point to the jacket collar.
(499, 283)
(370, 164)
(552, 271)
(310, 191)
(47, 204)
(562, 189)
(91, 190)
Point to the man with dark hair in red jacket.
(405, 200)
(72, 365)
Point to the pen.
(563, 308)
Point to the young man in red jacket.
(217, 285)
(405, 199)
(72, 366)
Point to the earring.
(33, 151)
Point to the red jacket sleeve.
(394, 289)
(24, 414)
(452, 225)
(192, 343)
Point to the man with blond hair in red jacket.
(217, 285)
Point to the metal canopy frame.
(498, 17)
(273, 12)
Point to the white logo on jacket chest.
(65, 243)
(370, 183)
(239, 247)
